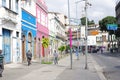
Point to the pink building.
(42, 25)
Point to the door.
(6, 45)
(34, 48)
(30, 42)
(23, 48)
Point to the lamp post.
(77, 30)
(86, 33)
(70, 35)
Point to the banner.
(82, 34)
(70, 37)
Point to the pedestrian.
(102, 49)
(29, 57)
(1, 63)
(55, 57)
(83, 51)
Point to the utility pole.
(71, 35)
(77, 29)
(86, 33)
(77, 50)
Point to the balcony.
(60, 36)
(8, 15)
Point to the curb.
(98, 69)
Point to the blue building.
(28, 34)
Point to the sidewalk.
(61, 71)
(78, 72)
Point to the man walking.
(29, 57)
(55, 57)
(1, 63)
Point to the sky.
(96, 12)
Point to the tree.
(103, 25)
(91, 22)
(107, 20)
(62, 48)
(45, 44)
(83, 21)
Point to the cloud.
(98, 10)
(101, 9)
(57, 6)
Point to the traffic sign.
(112, 26)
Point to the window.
(28, 2)
(16, 6)
(43, 19)
(46, 22)
(17, 34)
(38, 15)
(3, 2)
(10, 4)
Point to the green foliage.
(45, 42)
(107, 20)
(83, 21)
(68, 47)
(62, 48)
(46, 62)
(91, 22)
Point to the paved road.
(14, 72)
(110, 64)
(61, 71)
(79, 72)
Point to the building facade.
(28, 24)
(52, 31)
(117, 10)
(10, 30)
(42, 26)
(57, 25)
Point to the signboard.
(112, 26)
(82, 32)
(70, 35)
(91, 40)
(94, 32)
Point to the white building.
(10, 30)
(57, 22)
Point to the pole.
(86, 33)
(77, 47)
(70, 29)
(77, 52)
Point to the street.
(13, 71)
(110, 62)
(62, 71)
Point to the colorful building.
(28, 24)
(42, 26)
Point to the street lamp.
(86, 33)
(71, 35)
(77, 30)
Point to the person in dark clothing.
(1, 63)
(29, 57)
(55, 57)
